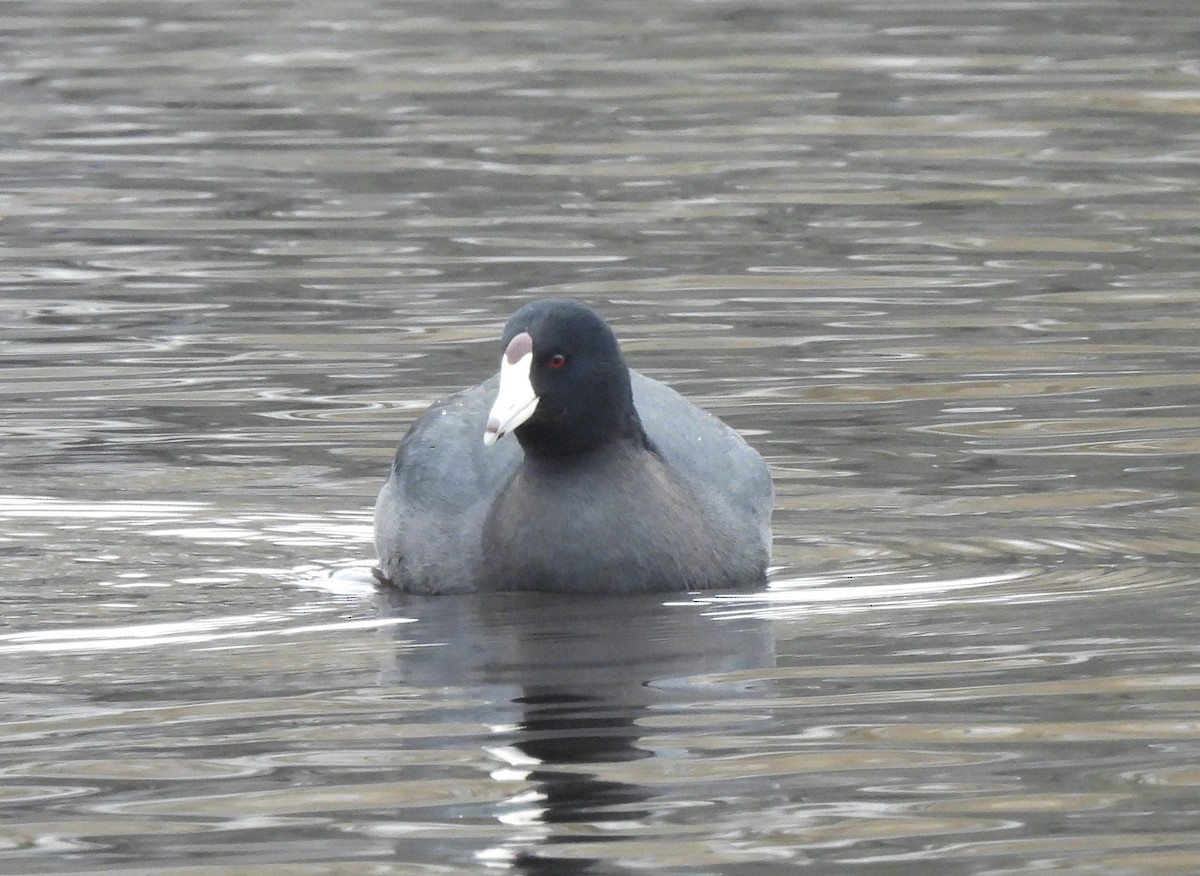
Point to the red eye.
(558, 360)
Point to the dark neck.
(556, 441)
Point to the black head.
(578, 380)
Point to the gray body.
(456, 516)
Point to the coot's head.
(564, 386)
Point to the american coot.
(614, 483)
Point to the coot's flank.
(615, 482)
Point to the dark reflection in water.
(570, 683)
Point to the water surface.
(937, 261)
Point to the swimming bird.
(568, 472)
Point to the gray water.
(936, 260)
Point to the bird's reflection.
(565, 682)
